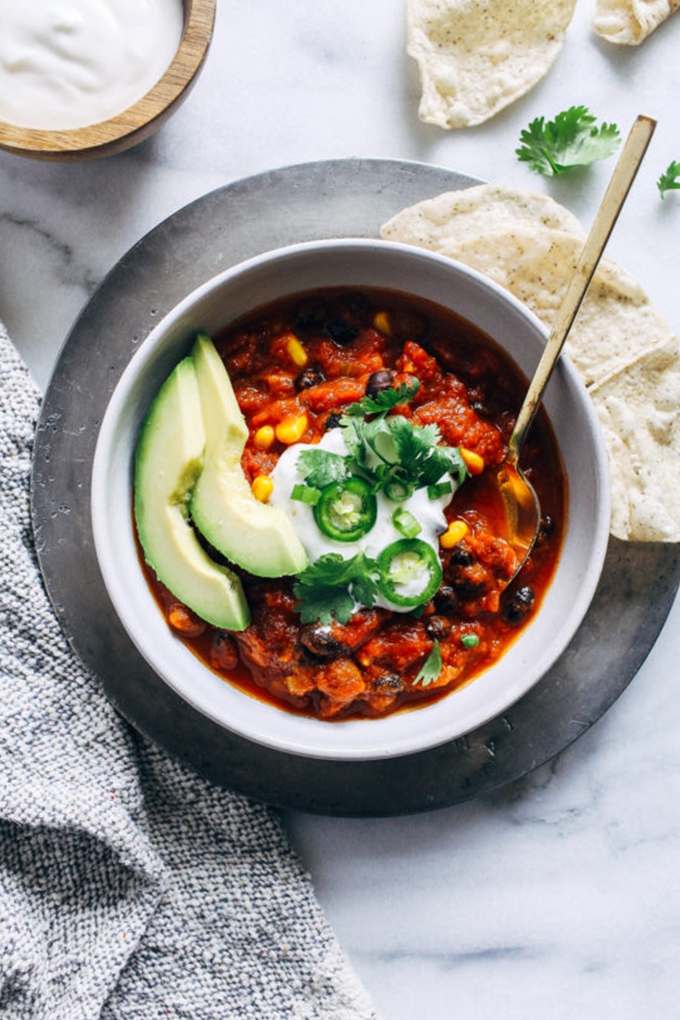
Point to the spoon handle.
(603, 224)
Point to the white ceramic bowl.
(352, 263)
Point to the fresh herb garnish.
(670, 178)
(384, 401)
(421, 456)
(431, 668)
(391, 454)
(570, 140)
(409, 456)
(329, 588)
(320, 468)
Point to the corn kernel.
(264, 437)
(473, 462)
(296, 351)
(262, 488)
(382, 323)
(291, 429)
(456, 531)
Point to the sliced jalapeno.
(410, 572)
(346, 510)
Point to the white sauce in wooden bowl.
(71, 63)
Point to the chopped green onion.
(405, 523)
(469, 640)
(306, 494)
(398, 490)
(440, 489)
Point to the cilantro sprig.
(320, 468)
(391, 453)
(431, 668)
(384, 401)
(330, 587)
(571, 140)
(670, 178)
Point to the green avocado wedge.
(257, 536)
(169, 459)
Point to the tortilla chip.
(629, 22)
(638, 411)
(430, 223)
(477, 56)
(529, 244)
(624, 351)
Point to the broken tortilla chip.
(638, 411)
(477, 56)
(629, 22)
(625, 352)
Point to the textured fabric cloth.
(129, 887)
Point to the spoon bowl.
(522, 506)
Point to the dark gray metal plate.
(327, 199)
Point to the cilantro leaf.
(444, 460)
(431, 668)
(570, 140)
(329, 587)
(384, 401)
(409, 455)
(414, 443)
(320, 468)
(413, 452)
(670, 178)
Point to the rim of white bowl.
(462, 711)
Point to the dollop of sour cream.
(428, 512)
(71, 63)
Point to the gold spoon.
(521, 502)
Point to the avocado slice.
(169, 458)
(258, 537)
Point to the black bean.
(319, 640)
(379, 381)
(445, 599)
(341, 331)
(332, 421)
(480, 408)
(389, 682)
(438, 627)
(461, 557)
(519, 605)
(546, 528)
(311, 376)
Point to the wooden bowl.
(137, 122)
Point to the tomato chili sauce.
(348, 343)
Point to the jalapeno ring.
(402, 563)
(346, 510)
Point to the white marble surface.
(558, 897)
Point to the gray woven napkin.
(129, 887)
